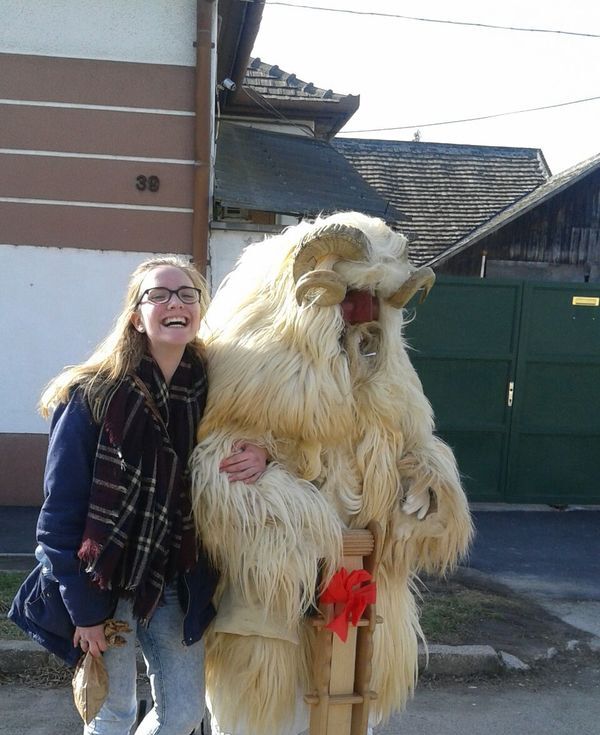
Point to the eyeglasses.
(162, 295)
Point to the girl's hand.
(247, 463)
(91, 639)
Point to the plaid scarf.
(139, 531)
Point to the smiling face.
(169, 327)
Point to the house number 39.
(151, 183)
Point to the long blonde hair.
(121, 351)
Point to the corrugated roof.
(448, 190)
(261, 169)
(271, 81)
(549, 189)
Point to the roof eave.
(239, 23)
(329, 116)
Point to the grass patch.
(9, 584)
(445, 617)
(54, 674)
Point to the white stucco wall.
(228, 240)
(226, 246)
(151, 31)
(56, 305)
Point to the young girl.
(115, 533)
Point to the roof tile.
(448, 190)
(547, 190)
(271, 81)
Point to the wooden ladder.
(341, 700)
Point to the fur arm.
(267, 538)
(435, 542)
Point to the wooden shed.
(553, 233)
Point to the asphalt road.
(17, 529)
(544, 553)
(562, 707)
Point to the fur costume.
(306, 357)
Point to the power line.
(469, 119)
(432, 20)
(262, 102)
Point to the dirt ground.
(487, 613)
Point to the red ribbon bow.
(355, 591)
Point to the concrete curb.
(23, 657)
(19, 657)
(458, 660)
(26, 657)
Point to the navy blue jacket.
(49, 605)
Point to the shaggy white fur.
(342, 412)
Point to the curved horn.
(423, 278)
(334, 240)
(323, 287)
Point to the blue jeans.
(176, 676)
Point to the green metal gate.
(512, 370)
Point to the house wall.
(92, 96)
(557, 240)
(228, 240)
(150, 31)
(64, 301)
(58, 303)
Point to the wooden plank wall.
(562, 231)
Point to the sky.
(409, 73)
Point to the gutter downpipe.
(204, 144)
